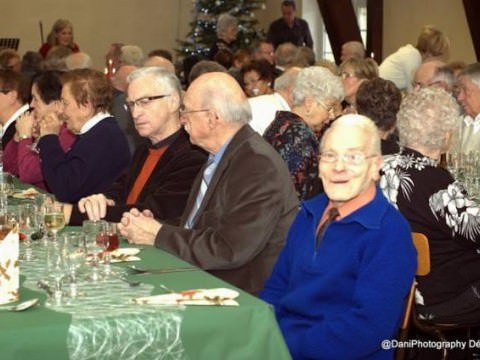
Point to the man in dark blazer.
(163, 168)
(239, 226)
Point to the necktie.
(331, 216)
(206, 177)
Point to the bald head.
(215, 108)
(221, 92)
(424, 76)
(352, 49)
(119, 80)
(161, 62)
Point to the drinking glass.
(56, 271)
(27, 221)
(6, 189)
(41, 201)
(54, 219)
(91, 228)
(107, 239)
(75, 255)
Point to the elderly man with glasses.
(340, 282)
(467, 91)
(240, 206)
(163, 167)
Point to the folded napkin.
(125, 254)
(29, 193)
(218, 297)
(119, 255)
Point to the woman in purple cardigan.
(21, 156)
(100, 153)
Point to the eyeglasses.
(143, 101)
(356, 158)
(183, 110)
(346, 75)
(5, 91)
(327, 107)
(418, 85)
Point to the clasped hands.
(138, 227)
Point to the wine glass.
(6, 189)
(56, 271)
(54, 219)
(91, 228)
(107, 239)
(75, 255)
(41, 200)
(27, 220)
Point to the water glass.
(56, 270)
(75, 256)
(91, 229)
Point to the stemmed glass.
(6, 189)
(91, 229)
(28, 224)
(54, 219)
(75, 255)
(107, 238)
(56, 271)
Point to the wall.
(97, 23)
(404, 19)
(158, 23)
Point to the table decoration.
(9, 264)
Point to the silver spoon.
(22, 306)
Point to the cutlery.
(44, 286)
(22, 306)
(132, 283)
(139, 271)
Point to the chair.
(427, 326)
(423, 268)
(9, 43)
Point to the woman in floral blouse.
(292, 133)
(437, 206)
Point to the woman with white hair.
(436, 205)
(227, 29)
(292, 133)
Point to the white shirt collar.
(283, 103)
(468, 120)
(14, 117)
(94, 121)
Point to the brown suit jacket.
(244, 218)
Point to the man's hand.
(95, 206)
(139, 228)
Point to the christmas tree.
(205, 14)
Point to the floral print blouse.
(437, 206)
(297, 144)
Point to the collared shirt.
(352, 205)
(217, 157)
(94, 121)
(299, 34)
(14, 117)
(469, 121)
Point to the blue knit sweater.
(341, 300)
(93, 163)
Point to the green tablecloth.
(248, 331)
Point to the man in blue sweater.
(339, 285)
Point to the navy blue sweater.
(93, 163)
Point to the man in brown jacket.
(242, 202)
